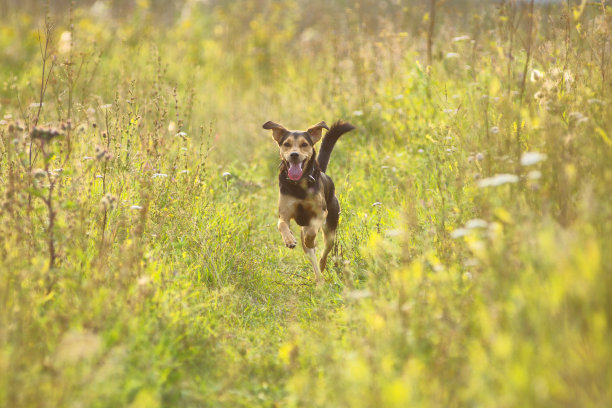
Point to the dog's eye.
(287, 144)
(304, 144)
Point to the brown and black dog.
(307, 194)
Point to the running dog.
(307, 194)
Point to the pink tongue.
(295, 171)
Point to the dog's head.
(296, 147)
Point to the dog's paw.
(290, 241)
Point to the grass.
(140, 263)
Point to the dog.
(307, 194)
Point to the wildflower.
(136, 207)
(100, 153)
(376, 204)
(452, 55)
(459, 232)
(109, 202)
(44, 134)
(184, 171)
(536, 75)
(451, 111)
(36, 104)
(171, 127)
(461, 38)
(530, 158)
(534, 175)
(156, 175)
(476, 223)
(494, 130)
(143, 280)
(38, 173)
(358, 113)
(226, 174)
(578, 117)
(181, 134)
(479, 156)
(106, 106)
(65, 42)
(87, 158)
(498, 180)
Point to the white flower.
(459, 232)
(452, 55)
(358, 113)
(451, 111)
(498, 180)
(106, 106)
(530, 158)
(181, 134)
(494, 130)
(461, 38)
(376, 204)
(227, 174)
(578, 117)
(476, 223)
(155, 175)
(136, 207)
(36, 105)
(536, 75)
(171, 127)
(65, 42)
(534, 175)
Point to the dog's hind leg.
(308, 245)
(329, 229)
(330, 236)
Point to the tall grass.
(140, 263)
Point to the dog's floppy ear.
(316, 131)
(277, 130)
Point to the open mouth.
(295, 170)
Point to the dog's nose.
(294, 155)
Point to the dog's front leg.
(288, 238)
(309, 235)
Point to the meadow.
(140, 264)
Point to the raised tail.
(329, 141)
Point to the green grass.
(148, 271)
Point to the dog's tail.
(329, 141)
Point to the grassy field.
(140, 264)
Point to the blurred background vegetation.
(140, 263)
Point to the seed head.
(109, 202)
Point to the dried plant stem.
(528, 49)
(430, 30)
